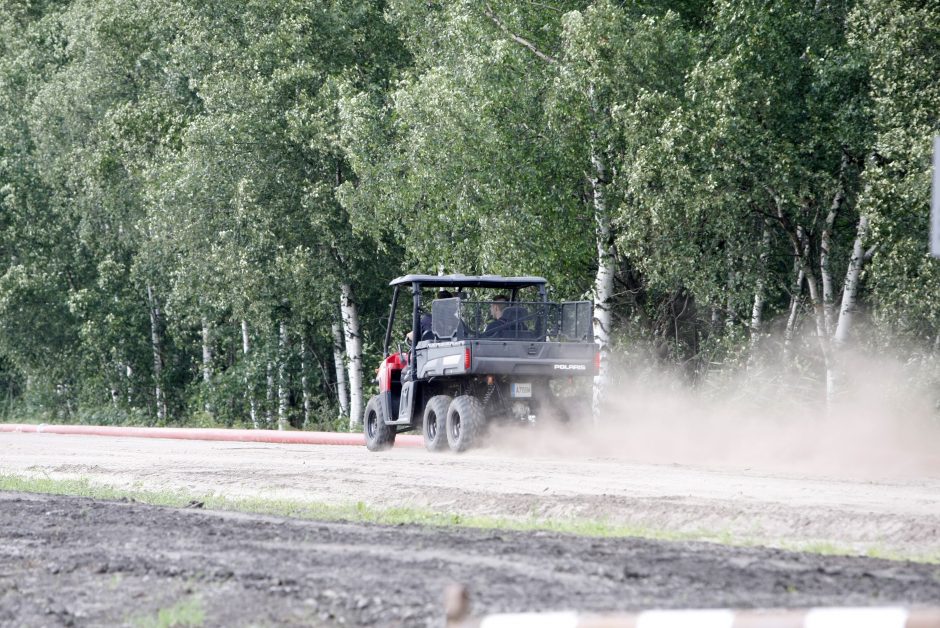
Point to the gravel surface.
(893, 516)
(68, 561)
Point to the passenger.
(497, 307)
(425, 324)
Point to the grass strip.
(187, 613)
(359, 512)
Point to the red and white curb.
(875, 617)
(187, 433)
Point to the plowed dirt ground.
(75, 561)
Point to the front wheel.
(378, 435)
(465, 422)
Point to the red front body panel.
(389, 380)
(391, 364)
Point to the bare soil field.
(77, 561)
(69, 561)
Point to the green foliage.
(898, 41)
(166, 167)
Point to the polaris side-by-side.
(488, 348)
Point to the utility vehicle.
(490, 351)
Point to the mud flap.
(385, 400)
(406, 405)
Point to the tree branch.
(488, 11)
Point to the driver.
(497, 307)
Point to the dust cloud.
(882, 423)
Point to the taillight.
(597, 362)
(466, 359)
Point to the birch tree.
(353, 333)
(339, 365)
(186, 191)
(249, 388)
(462, 146)
(601, 78)
(897, 40)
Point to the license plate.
(520, 391)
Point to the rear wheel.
(434, 427)
(378, 435)
(465, 422)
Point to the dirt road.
(899, 516)
(75, 562)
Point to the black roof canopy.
(468, 281)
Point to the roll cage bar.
(420, 282)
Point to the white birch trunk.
(730, 317)
(757, 311)
(130, 385)
(760, 294)
(282, 391)
(339, 362)
(206, 360)
(603, 281)
(252, 404)
(852, 277)
(816, 301)
(825, 250)
(155, 344)
(796, 300)
(760, 291)
(304, 383)
(716, 318)
(825, 272)
(354, 350)
(115, 391)
(821, 335)
(206, 353)
(801, 251)
(269, 396)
